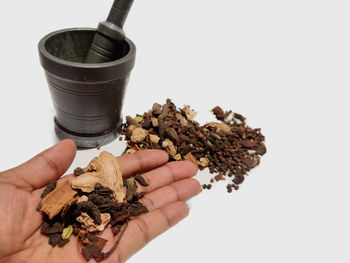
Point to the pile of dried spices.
(228, 147)
(85, 206)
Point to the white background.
(283, 64)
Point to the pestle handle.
(119, 12)
(109, 34)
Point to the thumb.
(47, 166)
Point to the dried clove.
(139, 178)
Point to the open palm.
(170, 185)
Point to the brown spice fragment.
(49, 188)
(53, 239)
(156, 109)
(90, 225)
(48, 229)
(154, 122)
(219, 177)
(63, 242)
(91, 209)
(106, 171)
(261, 149)
(190, 114)
(219, 113)
(78, 171)
(220, 126)
(141, 180)
(130, 189)
(94, 248)
(139, 135)
(190, 157)
(53, 203)
(173, 135)
(169, 147)
(154, 138)
(162, 117)
(131, 120)
(239, 117)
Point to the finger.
(167, 174)
(142, 161)
(148, 226)
(178, 191)
(47, 166)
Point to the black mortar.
(87, 98)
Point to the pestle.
(109, 34)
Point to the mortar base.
(88, 140)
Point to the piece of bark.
(106, 171)
(60, 197)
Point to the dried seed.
(138, 119)
(67, 232)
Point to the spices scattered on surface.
(228, 147)
(93, 200)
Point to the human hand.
(170, 185)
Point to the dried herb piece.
(54, 228)
(141, 180)
(161, 118)
(53, 239)
(78, 171)
(49, 188)
(190, 157)
(130, 186)
(62, 242)
(94, 248)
